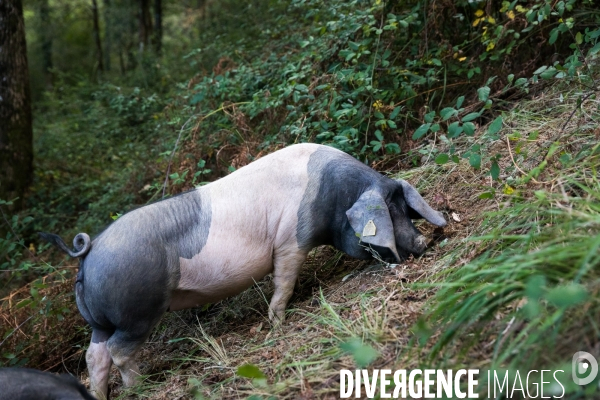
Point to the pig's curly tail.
(82, 243)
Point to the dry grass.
(41, 326)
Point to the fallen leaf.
(456, 217)
(439, 199)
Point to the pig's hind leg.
(99, 361)
(123, 347)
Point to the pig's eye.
(397, 207)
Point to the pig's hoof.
(276, 318)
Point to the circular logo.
(584, 368)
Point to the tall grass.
(530, 298)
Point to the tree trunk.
(158, 26)
(108, 34)
(145, 27)
(46, 39)
(16, 142)
(97, 35)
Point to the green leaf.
(198, 97)
(459, 101)
(486, 195)
(567, 295)
(447, 112)
(495, 126)
(469, 128)
(553, 36)
(24, 303)
(531, 309)
(520, 81)
(495, 170)
(378, 115)
(435, 127)
(391, 124)
(429, 116)
(475, 160)
(421, 131)
(483, 93)
(393, 148)
(579, 38)
(251, 371)
(535, 287)
(454, 129)
(594, 49)
(533, 135)
(395, 113)
(442, 159)
(490, 80)
(363, 355)
(548, 74)
(471, 116)
(353, 45)
(422, 331)
(379, 135)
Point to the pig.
(215, 241)
(31, 384)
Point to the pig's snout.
(419, 245)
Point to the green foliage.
(352, 74)
(539, 274)
(17, 256)
(253, 372)
(363, 355)
(92, 148)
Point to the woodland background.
(490, 108)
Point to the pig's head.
(382, 219)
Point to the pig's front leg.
(286, 268)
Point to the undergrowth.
(534, 282)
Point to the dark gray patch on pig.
(335, 181)
(133, 266)
(31, 384)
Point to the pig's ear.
(371, 221)
(419, 205)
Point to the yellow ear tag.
(370, 229)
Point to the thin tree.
(97, 35)
(145, 26)
(158, 32)
(45, 35)
(108, 34)
(16, 138)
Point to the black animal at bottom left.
(31, 384)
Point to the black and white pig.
(214, 242)
(31, 384)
